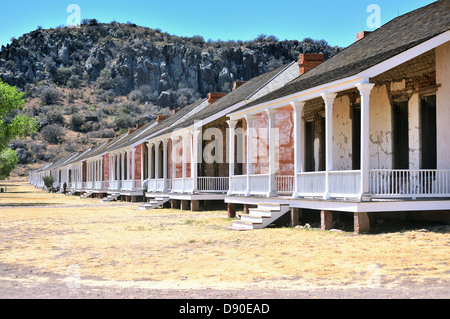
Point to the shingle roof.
(246, 91)
(394, 37)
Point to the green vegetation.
(8, 162)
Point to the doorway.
(400, 135)
(428, 139)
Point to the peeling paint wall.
(380, 129)
(106, 167)
(443, 105)
(284, 142)
(137, 162)
(342, 134)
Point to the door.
(428, 139)
(356, 138)
(309, 146)
(400, 135)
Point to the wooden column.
(298, 150)
(272, 191)
(231, 146)
(249, 119)
(365, 89)
(329, 99)
(165, 141)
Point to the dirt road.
(53, 246)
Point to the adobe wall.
(284, 142)
(137, 162)
(106, 167)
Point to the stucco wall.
(342, 134)
(137, 164)
(380, 123)
(443, 105)
(106, 167)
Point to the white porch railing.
(114, 185)
(126, 185)
(285, 184)
(213, 184)
(238, 184)
(311, 183)
(157, 185)
(409, 183)
(259, 184)
(182, 185)
(344, 183)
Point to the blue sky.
(334, 21)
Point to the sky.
(336, 22)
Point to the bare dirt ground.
(55, 246)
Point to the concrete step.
(260, 217)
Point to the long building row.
(364, 132)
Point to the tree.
(48, 182)
(12, 124)
(8, 162)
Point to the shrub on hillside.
(77, 121)
(49, 95)
(53, 134)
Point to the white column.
(111, 167)
(128, 152)
(231, 146)
(194, 157)
(165, 141)
(133, 166)
(272, 192)
(184, 140)
(122, 161)
(249, 119)
(298, 151)
(329, 99)
(364, 89)
(149, 162)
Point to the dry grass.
(170, 248)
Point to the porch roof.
(391, 39)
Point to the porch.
(212, 184)
(346, 185)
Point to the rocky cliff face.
(89, 83)
(124, 57)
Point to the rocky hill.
(91, 82)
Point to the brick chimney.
(213, 97)
(175, 111)
(161, 118)
(362, 34)
(237, 84)
(307, 61)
